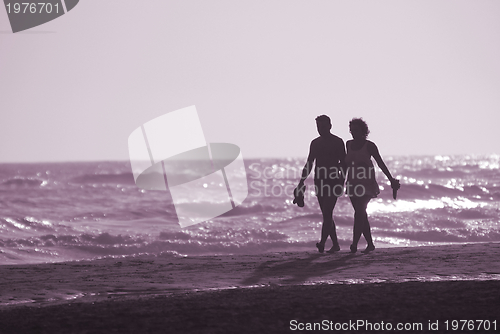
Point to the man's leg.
(326, 204)
(333, 236)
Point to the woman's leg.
(361, 225)
(368, 234)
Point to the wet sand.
(254, 293)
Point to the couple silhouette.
(335, 169)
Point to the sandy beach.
(269, 293)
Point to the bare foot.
(369, 249)
(335, 248)
(321, 247)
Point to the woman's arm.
(373, 150)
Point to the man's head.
(323, 124)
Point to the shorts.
(329, 187)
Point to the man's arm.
(343, 165)
(309, 164)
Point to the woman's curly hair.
(362, 125)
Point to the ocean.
(52, 212)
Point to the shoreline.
(149, 276)
(415, 307)
(253, 293)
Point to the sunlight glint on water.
(67, 211)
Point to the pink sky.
(425, 75)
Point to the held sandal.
(298, 195)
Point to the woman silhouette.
(361, 185)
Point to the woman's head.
(358, 128)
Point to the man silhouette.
(328, 151)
